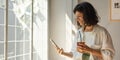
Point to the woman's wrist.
(91, 51)
(69, 54)
(95, 52)
(63, 53)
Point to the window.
(26, 31)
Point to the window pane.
(19, 33)
(11, 59)
(19, 58)
(18, 24)
(11, 49)
(11, 26)
(27, 57)
(1, 16)
(27, 35)
(10, 4)
(11, 33)
(35, 56)
(26, 47)
(1, 50)
(2, 3)
(11, 18)
(1, 33)
(19, 48)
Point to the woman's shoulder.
(99, 28)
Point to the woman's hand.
(83, 48)
(60, 51)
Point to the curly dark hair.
(89, 13)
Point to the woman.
(98, 43)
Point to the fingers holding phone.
(59, 50)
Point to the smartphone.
(54, 44)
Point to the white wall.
(103, 9)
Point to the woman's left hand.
(83, 48)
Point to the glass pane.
(40, 58)
(19, 58)
(19, 48)
(11, 49)
(18, 22)
(27, 47)
(11, 33)
(1, 33)
(23, 12)
(11, 59)
(27, 34)
(19, 33)
(1, 50)
(1, 16)
(35, 56)
(10, 4)
(2, 59)
(27, 20)
(2, 3)
(27, 57)
(11, 18)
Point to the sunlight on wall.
(68, 32)
(70, 28)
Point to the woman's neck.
(89, 28)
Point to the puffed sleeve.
(76, 55)
(107, 49)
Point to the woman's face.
(79, 18)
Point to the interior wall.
(103, 9)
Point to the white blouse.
(98, 39)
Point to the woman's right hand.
(60, 51)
